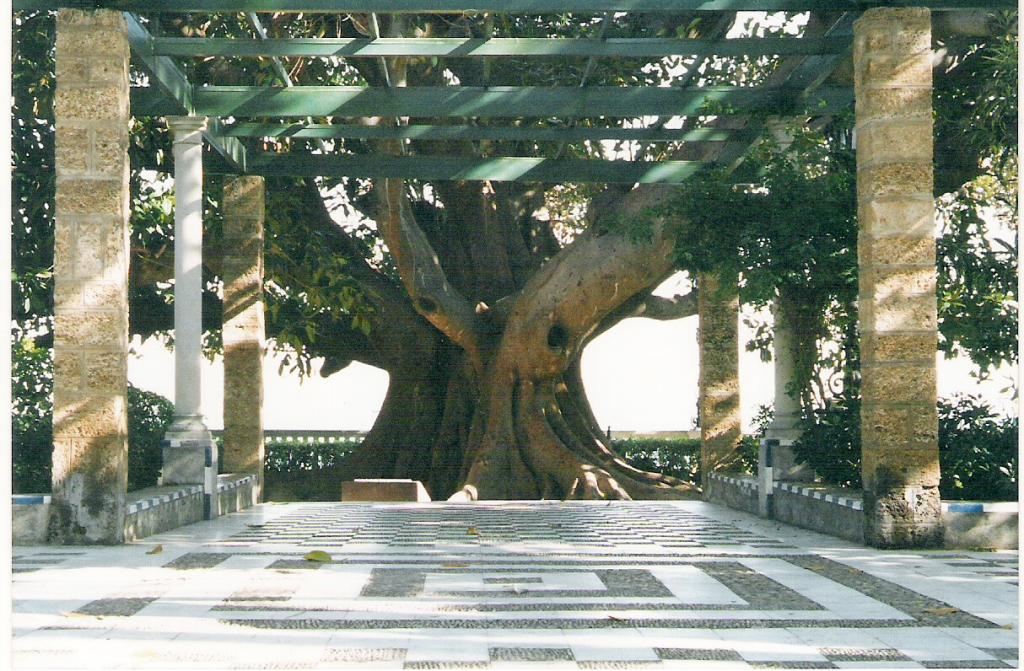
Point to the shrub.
(830, 443)
(31, 417)
(149, 415)
(677, 457)
(977, 448)
(977, 451)
(297, 457)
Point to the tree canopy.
(478, 298)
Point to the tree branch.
(665, 309)
(422, 275)
(571, 295)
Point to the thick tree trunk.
(485, 399)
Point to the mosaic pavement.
(626, 585)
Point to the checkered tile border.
(228, 485)
(845, 501)
(746, 483)
(153, 502)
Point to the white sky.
(640, 376)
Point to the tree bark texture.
(482, 343)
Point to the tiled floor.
(541, 585)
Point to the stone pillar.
(786, 416)
(718, 310)
(243, 326)
(90, 410)
(896, 255)
(189, 451)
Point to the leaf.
(1008, 627)
(318, 556)
(942, 610)
(157, 549)
(472, 531)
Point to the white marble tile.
(841, 600)
(929, 644)
(612, 644)
(460, 645)
(837, 637)
(769, 645)
(691, 585)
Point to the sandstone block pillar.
(90, 420)
(719, 401)
(896, 255)
(190, 455)
(243, 325)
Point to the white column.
(784, 427)
(188, 276)
(190, 455)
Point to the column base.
(192, 462)
(908, 517)
(189, 427)
(786, 467)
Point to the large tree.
(477, 298)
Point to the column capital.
(186, 128)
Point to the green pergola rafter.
(504, 6)
(527, 114)
(176, 91)
(326, 47)
(495, 101)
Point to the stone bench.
(381, 490)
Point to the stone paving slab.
(626, 585)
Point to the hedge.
(149, 415)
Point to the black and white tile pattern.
(491, 586)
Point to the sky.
(639, 376)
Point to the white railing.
(308, 436)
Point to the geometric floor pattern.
(574, 585)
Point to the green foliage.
(678, 457)
(977, 279)
(309, 288)
(977, 448)
(976, 99)
(31, 417)
(830, 441)
(304, 457)
(33, 176)
(978, 451)
(149, 415)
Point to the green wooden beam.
(465, 47)
(495, 133)
(502, 6)
(445, 168)
(462, 101)
(177, 92)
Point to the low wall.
(150, 511)
(737, 491)
(839, 512)
(981, 525)
(824, 509)
(236, 492)
(29, 516)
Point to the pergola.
(890, 47)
